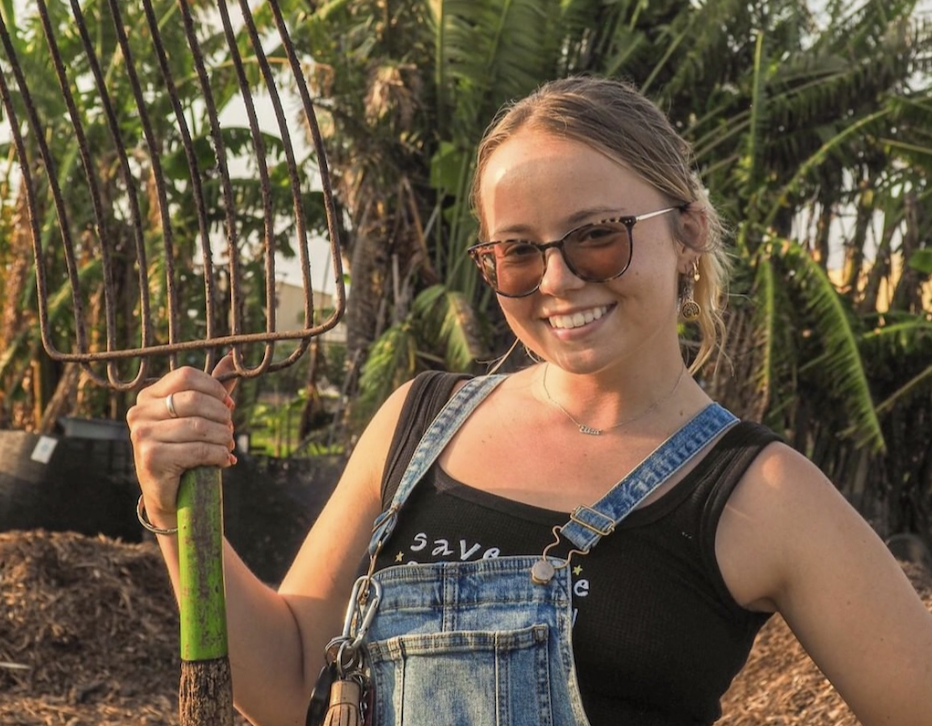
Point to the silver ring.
(170, 405)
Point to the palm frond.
(892, 348)
(839, 367)
(696, 40)
(765, 323)
(445, 317)
(915, 386)
(782, 198)
(392, 361)
(601, 36)
(758, 114)
(492, 51)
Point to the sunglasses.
(596, 252)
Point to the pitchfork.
(139, 206)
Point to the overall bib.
(488, 642)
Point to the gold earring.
(689, 308)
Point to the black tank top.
(657, 637)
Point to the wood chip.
(89, 637)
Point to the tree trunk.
(908, 293)
(17, 267)
(854, 249)
(369, 267)
(879, 271)
(62, 401)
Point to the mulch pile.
(781, 686)
(89, 630)
(88, 633)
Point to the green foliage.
(273, 427)
(831, 359)
(921, 261)
(888, 347)
(440, 320)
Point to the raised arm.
(276, 639)
(789, 541)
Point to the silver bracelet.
(144, 521)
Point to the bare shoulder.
(321, 576)
(783, 495)
(365, 466)
(789, 541)
(342, 528)
(784, 517)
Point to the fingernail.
(233, 460)
(230, 425)
(229, 402)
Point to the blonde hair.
(614, 118)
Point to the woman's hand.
(182, 421)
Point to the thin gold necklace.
(590, 430)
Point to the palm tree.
(824, 142)
(810, 128)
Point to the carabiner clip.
(361, 616)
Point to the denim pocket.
(464, 678)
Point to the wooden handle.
(205, 693)
(200, 559)
(206, 690)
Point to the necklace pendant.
(589, 431)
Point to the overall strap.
(589, 524)
(437, 436)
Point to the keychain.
(343, 695)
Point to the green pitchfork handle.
(205, 693)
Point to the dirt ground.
(88, 637)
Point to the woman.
(518, 584)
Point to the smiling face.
(537, 187)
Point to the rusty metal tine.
(269, 242)
(133, 199)
(329, 206)
(297, 206)
(193, 169)
(81, 140)
(48, 161)
(155, 158)
(227, 322)
(227, 190)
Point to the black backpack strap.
(429, 392)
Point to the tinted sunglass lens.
(595, 253)
(518, 268)
(598, 252)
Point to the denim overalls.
(482, 642)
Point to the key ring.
(344, 656)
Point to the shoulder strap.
(589, 524)
(737, 450)
(429, 393)
(442, 428)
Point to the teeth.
(579, 319)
